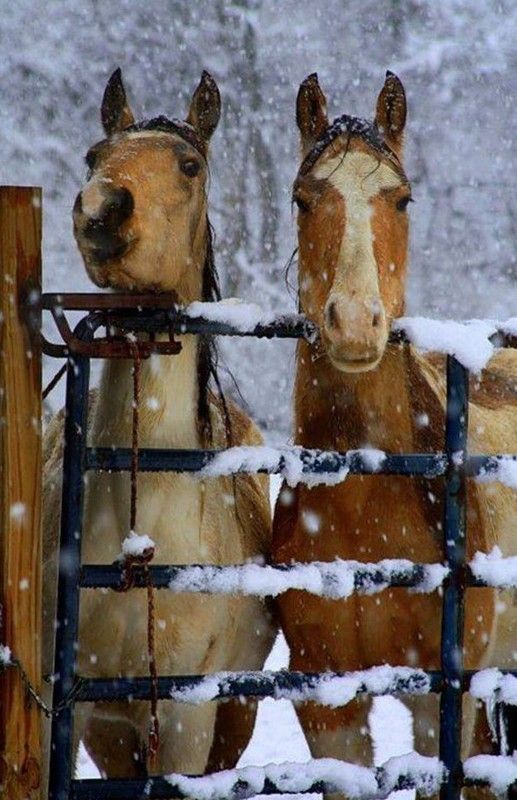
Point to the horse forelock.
(163, 124)
(352, 126)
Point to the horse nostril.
(332, 316)
(376, 320)
(118, 206)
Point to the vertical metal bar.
(454, 530)
(61, 756)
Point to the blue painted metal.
(255, 684)
(158, 788)
(102, 576)
(451, 680)
(454, 532)
(61, 766)
(314, 462)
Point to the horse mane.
(208, 355)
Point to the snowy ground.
(278, 736)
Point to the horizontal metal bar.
(156, 788)
(112, 576)
(239, 684)
(193, 577)
(314, 462)
(256, 684)
(159, 788)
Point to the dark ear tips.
(205, 108)
(115, 112)
(391, 110)
(311, 111)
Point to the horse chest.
(367, 518)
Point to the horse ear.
(205, 107)
(311, 112)
(115, 112)
(391, 111)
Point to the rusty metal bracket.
(119, 315)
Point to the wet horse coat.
(141, 225)
(353, 389)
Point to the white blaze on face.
(358, 177)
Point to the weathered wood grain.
(20, 490)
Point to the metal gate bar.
(453, 608)
(451, 680)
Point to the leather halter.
(353, 126)
(165, 125)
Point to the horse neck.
(342, 411)
(167, 401)
(169, 390)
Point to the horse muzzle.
(98, 228)
(355, 333)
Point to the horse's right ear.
(311, 112)
(115, 112)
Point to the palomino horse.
(354, 389)
(141, 225)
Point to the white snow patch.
(5, 655)
(508, 326)
(333, 579)
(491, 684)
(505, 472)
(354, 781)
(295, 464)
(494, 569)
(499, 771)
(426, 774)
(17, 511)
(330, 689)
(136, 544)
(338, 690)
(467, 341)
(372, 458)
(232, 311)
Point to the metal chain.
(33, 693)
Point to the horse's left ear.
(311, 112)
(205, 107)
(391, 111)
(115, 112)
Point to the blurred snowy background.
(457, 59)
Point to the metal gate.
(153, 315)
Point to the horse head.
(140, 220)
(352, 193)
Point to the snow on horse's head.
(352, 194)
(140, 221)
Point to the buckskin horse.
(352, 389)
(141, 225)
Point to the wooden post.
(20, 490)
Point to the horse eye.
(302, 204)
(190, 167)
(403, 203)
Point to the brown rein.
(142, 560)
